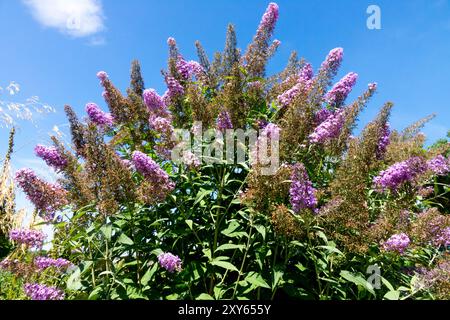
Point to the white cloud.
(13, 88)
(77, 18)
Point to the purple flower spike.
(333, 61)
(443, 238)
(47, 197)
(170, 262)
(328, 129)
(397, 243)
(175, 89)
(51, 156)
(31, 238)
(36, 291)
(97, 116)
(155, 103)
(223, 121)
(303, 83)
(161, 184)
(337, 95)
(302, 193)
(399, 173)
(269, 20)
(43, 263)
(102, 76)
(384, 141)
(439, 165)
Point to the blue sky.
(408, 57)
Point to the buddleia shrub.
(145, 211)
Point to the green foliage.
(234, 229)
(10, 286)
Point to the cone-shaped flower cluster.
(399, 173)
(30, 238)
(223, 121)
(102, 76)
(174, 88)
(328, 129)
(152, 172)
(303, 83)
(322, 115)
(169, 262)
(337, 95)
(43, 263)
(269, 20)
(47, 197)
(260, 50)
(271, 131)
(384, 141)
(302, 193)
(161, 125)
(333, 61)
(189, 68)
(259, 153)
(183, 68)
(155, 103)
(398, 243)
(51, 156)
(97, 116)
(190, 159)
(160, 120)
(443, 238)
(439, 165)
(36, 291)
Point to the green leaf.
(107, 231)
(230, 246)
(189, 223)
(300, 267)
(225, 265)
(85, 266)
(297, 243)
(95, 294)
(238, 234)
(231, 228)
(392, 295)
(204, 296)
(157, 252)
(120, 223)
(257, 280)
(236, 201)
(124, 239)
(149, 274)
(358, 280)
(207, 253)
(200, 195)
(387, 284)
(262, 230)
(332, 249)
(322, 235)
(221, 258)
(277, 278)
(218, 293)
